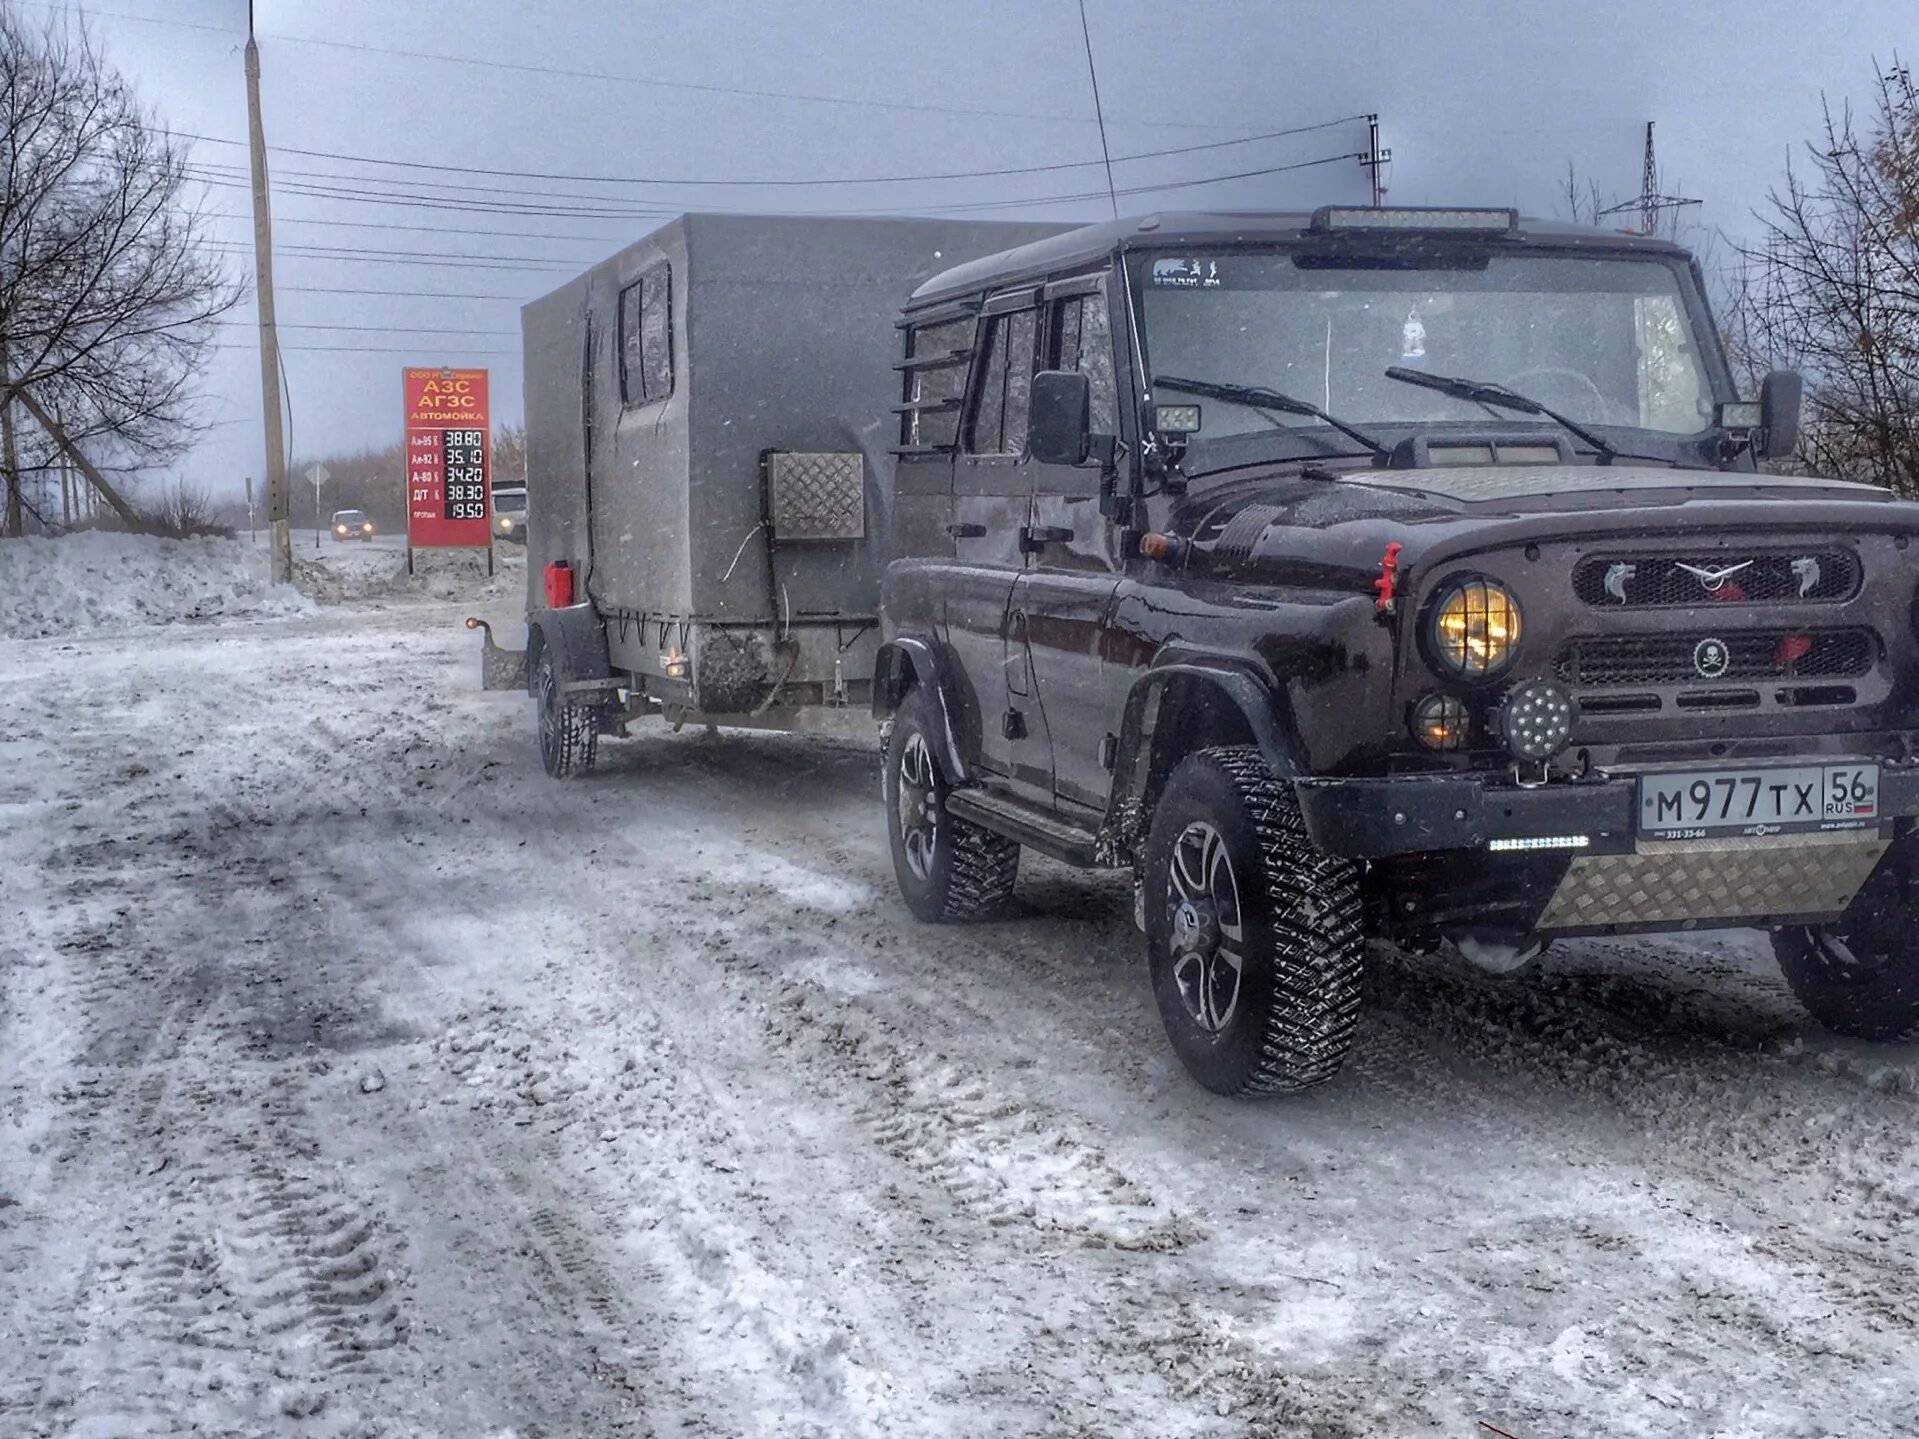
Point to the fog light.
(1536, 720)
(1439, 722)
(673, 663)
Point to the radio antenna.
(1087, 35)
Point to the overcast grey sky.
(1481, 101)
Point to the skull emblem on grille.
(1711, 658)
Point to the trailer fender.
(1174, 709)
(901, 665)
(577, 637)
(500, 668)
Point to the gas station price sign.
(448, 432)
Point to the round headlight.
(1476, 629)
(1536, 720)
(1439, 722)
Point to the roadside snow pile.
(110, 581)
(345, 574)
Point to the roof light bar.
(1413, 217)
(1543, 841)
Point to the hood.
(1594, 485)
(1333, 532)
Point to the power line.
(403, 200)
(401, 294)
(380, 329)
(435, 351)
(453, 230)
(540, 260)
(448, 203)
(785, 182)
(475, 262)
(611, 78)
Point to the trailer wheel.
(947, 868)
(1859, 976)
(1253, 934)
(569, 730)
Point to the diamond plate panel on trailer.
(1738, 878)
(816, 496)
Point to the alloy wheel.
(1208, 933)
(918, 805)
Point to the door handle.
(1033, 538)
(966, 532)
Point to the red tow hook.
(1388, 582)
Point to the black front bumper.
(1379, 817)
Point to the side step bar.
(1033, 827)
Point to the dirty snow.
(358, 1082)
(101, 580)
(376, 571)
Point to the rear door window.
(1003, 399)
(934, 391)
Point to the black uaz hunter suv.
(1397, 573)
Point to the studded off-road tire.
(1253, 934)
(569, 730)
(947, 868)
(1859, 976)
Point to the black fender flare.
(577, 635)
(1236, 684)
(904, 662)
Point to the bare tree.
(108, 292)
(509, 455)
(1831, 288)
(1581, 197)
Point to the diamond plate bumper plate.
(816, 496)
(1713, 879)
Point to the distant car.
(351, 525)
(509, 514)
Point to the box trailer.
(710, 418)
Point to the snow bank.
(343, 574)
(110, 581)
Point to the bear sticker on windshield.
(1191, 274)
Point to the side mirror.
(1779, 399)
(1059, 430)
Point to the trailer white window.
(646, 337)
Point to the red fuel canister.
(559, 585)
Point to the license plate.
(1696, 804)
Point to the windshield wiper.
(1258, 397)
(1490, 392)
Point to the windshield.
(348, 517)
(1607, 342)
(509, 501)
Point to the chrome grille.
(1619, 660)
(1641, 581)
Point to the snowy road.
(357, 1080)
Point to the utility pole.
(1375, 160)
(279, 516)
(1649, 202)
